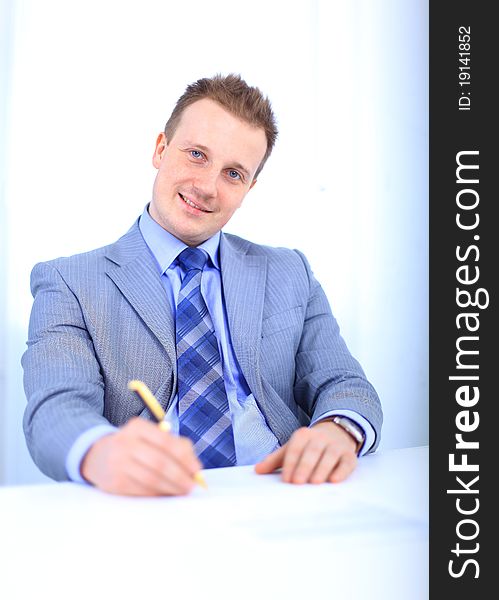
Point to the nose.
(206, 181)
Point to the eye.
(196, 154)
(233, 174)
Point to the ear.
(252, 184)
(161, 144)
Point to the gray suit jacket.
(102, 318)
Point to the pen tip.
(199, 479)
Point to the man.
(236, 340)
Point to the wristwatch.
(352, 428)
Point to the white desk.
(248, 536)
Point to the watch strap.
(352, 428)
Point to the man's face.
(204, 171)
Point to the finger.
(326, 465)
(146, 431)
(128, 487)
(179, 448)
(124, 477)
(271, 462)
(139, 481)
(169, 481)
(310, 457)
(162, 472)
(134, 483)
(344, 468)
(157, 462)
(294, 451)
(123, 463)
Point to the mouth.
(193, 204)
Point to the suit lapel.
(244, 277)
(135, 272)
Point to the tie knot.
(192, 258)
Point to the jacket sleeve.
(62, 377)
(328, 377)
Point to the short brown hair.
(237, 97)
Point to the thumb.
(271, 462)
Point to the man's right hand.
(141, 460)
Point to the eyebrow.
(236, 165)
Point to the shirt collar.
(165, 247)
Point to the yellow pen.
(154, 406)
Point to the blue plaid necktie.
(202, 402)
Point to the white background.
(87, 86)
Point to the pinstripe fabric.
(102, 318)
(202, 402)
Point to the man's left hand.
(323, 452)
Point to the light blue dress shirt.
(252, 436)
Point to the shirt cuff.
(81, 446)
(361, 422)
